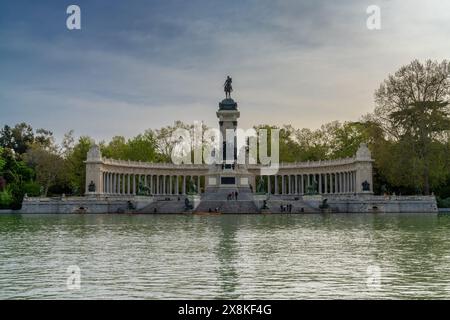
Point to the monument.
(340, 185)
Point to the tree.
(75, 157)
(18, 138)
(44, 138)
(412, 108)
(50, 167)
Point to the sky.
(136, 65)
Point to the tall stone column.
(184, 185)
(269, 184)
(334, 182)
(343, 182)
(347, 182)
(163, 191)
(353, 182)
(320, 184)
(276, 184)
(301, 184)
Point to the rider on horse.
(228, 88)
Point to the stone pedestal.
(194, 200)
(259, 199)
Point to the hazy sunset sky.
(143, 64)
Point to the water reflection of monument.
(227, 252)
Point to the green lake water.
(384, 256)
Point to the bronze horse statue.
(227, 87)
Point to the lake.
(381, 256)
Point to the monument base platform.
(246, 202)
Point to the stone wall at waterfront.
(299, 204)
(384, 204)
(361, 203)
(95, 204)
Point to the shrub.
(6, 199)
(443, 203)
(32, 189)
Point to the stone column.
(113, 182)
(276, 184)
(133, 184)
(183, 187)
(320, 184)
(338, 183)
(163, 184)
(353, 182)
(347, 182)
(269, 184)
(334, 182)
(301, 183)
(343, 182)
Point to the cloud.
(145, 64)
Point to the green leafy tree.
(50, 167)
(75, 157)
(412, 108)
(18, 138)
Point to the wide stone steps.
(161, 206)
(228, 206)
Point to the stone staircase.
(217, 198)
(163, 206)
(228, 206)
